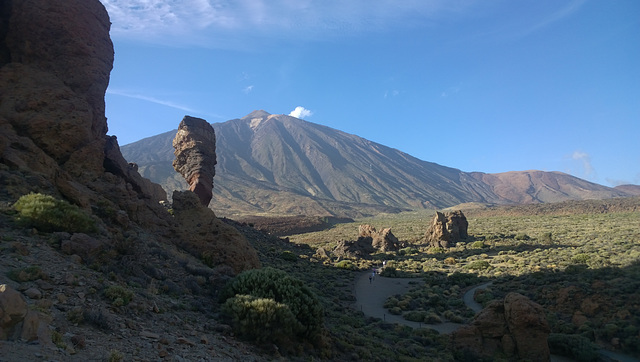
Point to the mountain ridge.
(278, 164)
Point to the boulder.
(354, 249)
(195, 151)
(447, 229)
(515, 326)
(13, 309)
(528, 325)
(383, 240)
(205, 236)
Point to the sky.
(490, 86)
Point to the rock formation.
(447, 229)
(195, 151)
(204, 235)
(55, 59)
(17, 321)
(515, 327)
(369, 241)
(383, 240)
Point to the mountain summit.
(281, 165)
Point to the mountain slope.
(279, 164)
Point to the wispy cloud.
(450, 91)
(562, 13)
(248, 89)
(207, 19)
(134, 95)
(585, 159)
(301, 112)
(391, 93)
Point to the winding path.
(370, 298)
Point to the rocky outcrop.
(369, 241)
(383, 240)
(205, 236)
(55, 59)
(514, 327)
(360, 248)
(17, 321)
(447, 229)
(195, 151)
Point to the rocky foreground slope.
(55, 60)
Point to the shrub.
(478, 244)
(49, 214)
(581, 258)
(546, 237)
(345, 264)
(261, 319)
(522, 236)
(27, 274)
(119, 295)
(290, 307)
(408, 251)
(288, 256)
(574, 346)
(450, 261)
(478, 265)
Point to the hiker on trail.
(370, 278)
(373, 274)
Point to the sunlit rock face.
(195, 151)
(513, 327)
(447, 229)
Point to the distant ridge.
(281, 165)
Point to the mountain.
(281, 165)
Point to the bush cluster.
(268, 305)
(49, 214)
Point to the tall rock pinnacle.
(195, 151)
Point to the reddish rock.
(195, 151)
(513, 327)
(13, 309)
(205, 236)
(383, 240)
(447, 229)
(529, 327)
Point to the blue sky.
(490, 86)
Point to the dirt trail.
(370, 298)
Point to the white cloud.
(301, 112)
(248, 89)
(586, 162)
(134, 95)
(564, 12)
(208, 20)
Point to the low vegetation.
(268, 305)
(580, 261)
(46, 213)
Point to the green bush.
(291, 308)
(574, 346)
(477, 244)
(261, 319)
(49, 214)
(522, 236)
(408, 251)
(27, 274)
(119, 295)
(478, 265)
(581, 258)
(346, 264)
(288, 256)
